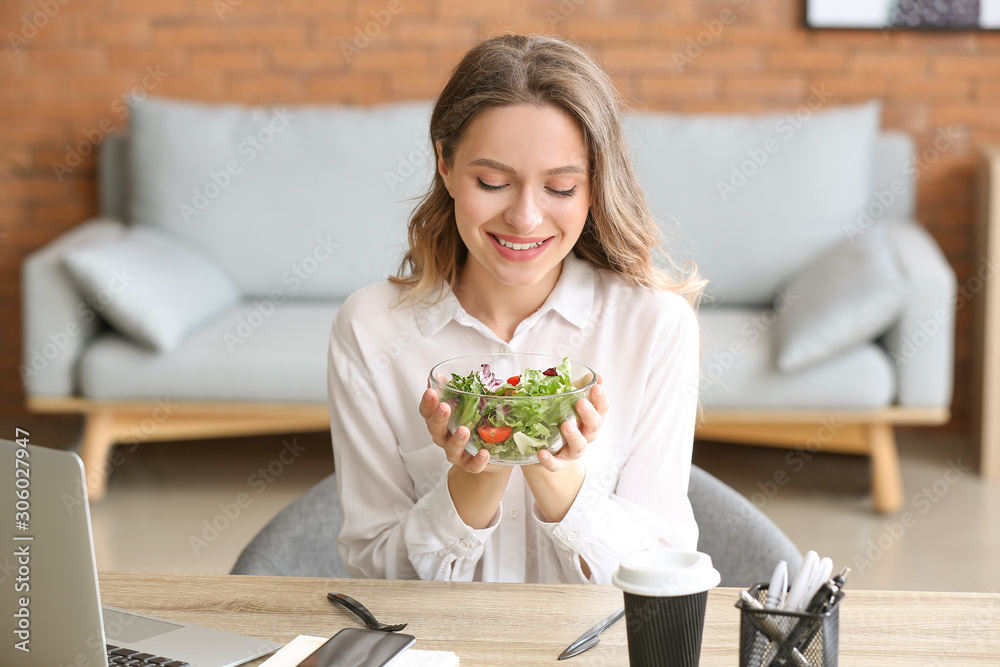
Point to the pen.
(773, 632)
(806, 629)
(824, 599)
(797, 597)
(776, 589)
(820, 575)
(767, 623)
(589, 638)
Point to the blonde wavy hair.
(620, 233)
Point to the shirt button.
(570, 537)
(464, 544)
(513, 513)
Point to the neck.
(501, 307)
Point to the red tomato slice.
(514, 380)
(494, 434)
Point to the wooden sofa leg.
(98, 438)
(887, 481)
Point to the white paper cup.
(665, 594)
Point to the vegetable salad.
(515, 418)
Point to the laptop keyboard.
(126, 657)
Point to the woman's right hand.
(435, 414)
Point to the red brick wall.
(63, 81)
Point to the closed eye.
(491, 188)
(494, 188)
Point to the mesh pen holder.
(773, 638)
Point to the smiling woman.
(517, 222)
(534, 237)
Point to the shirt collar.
(572, 298)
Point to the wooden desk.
(529, 624)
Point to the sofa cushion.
(310, 200)
(851, 295)
(151, 286)
(739, 369)
(753, 198)
(256, 351)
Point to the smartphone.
(359, 647)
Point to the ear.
(442, 167)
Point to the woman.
(535, 237)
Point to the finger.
(428, 401)
(460, 456)
(437, 424)
(590, 419)
(551, 462)
(574, 442)
(599, 398)
(476, 464)
(454, 446)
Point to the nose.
(524, 214)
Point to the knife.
(589, 639)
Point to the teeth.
(517, 246)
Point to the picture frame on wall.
(904, 14)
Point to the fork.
(362, 612)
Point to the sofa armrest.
(921, 343)
(57, 321)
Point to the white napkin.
(297, 650)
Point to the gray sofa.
(229, 235)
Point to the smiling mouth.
(517, 246)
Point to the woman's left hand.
(576, 436)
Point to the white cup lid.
(666, 572)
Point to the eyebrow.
(500, 166)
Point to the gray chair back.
(301, 541)
(744, 544)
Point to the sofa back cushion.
(754, 198)
(311, 201)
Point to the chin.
(518, 277)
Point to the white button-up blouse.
(399, 521)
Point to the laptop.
(52, 614)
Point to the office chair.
(743, 542)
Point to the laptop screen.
(51, 603)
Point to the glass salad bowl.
(512, 404)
